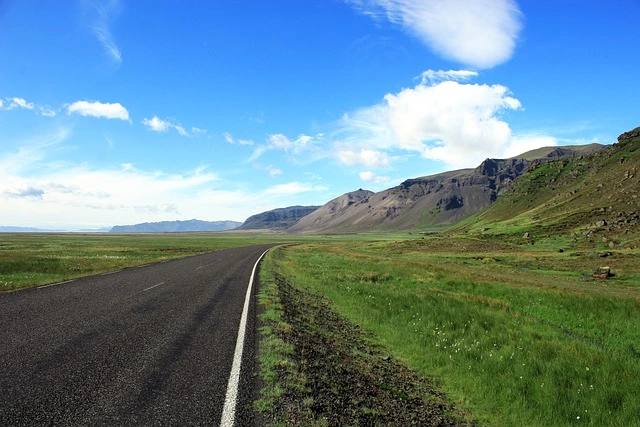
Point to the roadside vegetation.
(517, 334)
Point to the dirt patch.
(348, 380)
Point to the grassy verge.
(320, 369)
(517, 335)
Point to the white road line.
(229, 410)
(198, 268)
(56, 284)
(151, 287)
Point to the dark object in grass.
(602, 272)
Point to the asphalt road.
(150, 345)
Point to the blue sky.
(119, 112)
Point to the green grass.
(32, 259)
(29, 259)
(517, 335)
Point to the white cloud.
(231, 140)
(293, 188)
(368, 176)
(525, 142)
(19, 103)
(36, 190)
(297, 145)
(272, 170)
(304, 148)
(361, 156)
(458, 123)
(99, 109)
(99, 14)
(158, 125)
(477, 33)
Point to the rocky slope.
(277, 219)
(596, 194)
(431, 201)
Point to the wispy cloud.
(31, 152)
(304, 148)
(99, 109)
(156, 124)
(368, 176)
(99, 14)
(360, 154)
(293, 188)
(231, 140)
(16, 103)
(476, 33)
(272, 170)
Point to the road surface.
(151, 345)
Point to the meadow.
(32, 259)
(516, 334)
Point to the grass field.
(31, 259)
(514, 333)
(519, 335)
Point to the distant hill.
(10, 229)
(596, 194)
(439, 200)
(277, 219)
(176, 226)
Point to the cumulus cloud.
(476, 33)
(457, 123)
(99, 109)
(99, 14)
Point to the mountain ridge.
(433, 201)
(176, 226)
(277, 219)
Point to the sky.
(119, 112)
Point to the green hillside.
(595, 196)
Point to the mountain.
(277, 219)
(432, 201)
(11, 229)
(176, 226)
(332, 214)
(595, 194)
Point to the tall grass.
(534, 345)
